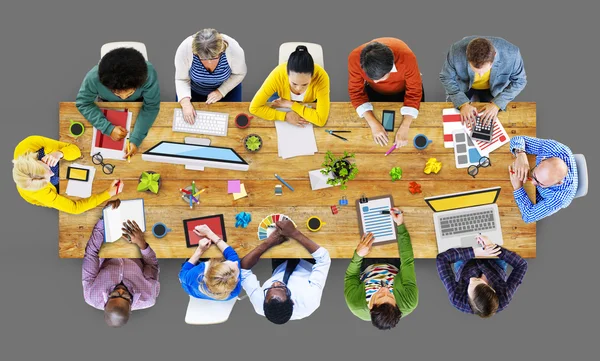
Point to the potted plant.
(149, 182)
(342, 169)
(253, 142)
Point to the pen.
(513, 172)
(118, 184)
(342, 138)
(284, 182)
(128, 150)
(388, 212)
(391, 150)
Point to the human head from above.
(220, 278)
(278, 305)
(377, 61)
(123, 71)
(31, 174)
(208, 44)
(549, 172)
(118, 307)
(480, 54)
(300, 69)
(385, 313)
(482, 297)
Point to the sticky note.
(233, 186)
(241, 194)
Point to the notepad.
(294, 141)
(132, 210)
(370, 219)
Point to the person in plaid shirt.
(119, 285)
(480, 286)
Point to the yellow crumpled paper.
(432, 165)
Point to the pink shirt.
(101, 275)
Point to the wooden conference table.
(340, 234)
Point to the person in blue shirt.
(554, 176)
(215, 279)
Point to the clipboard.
(370, 219)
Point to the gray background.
(47, 49)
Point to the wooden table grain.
(340, 234)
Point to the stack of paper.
(79, 188)
(294, 141)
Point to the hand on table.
(118, 133)
(365, 244)
(132, 150)
(295, 119)
(286, 228)
(380, 136)
(521, 167)
(214, 97)
(52, 158)
(113, 190)
(488, 113)
(282, 103)
(189, 113)
(114, 204)
(514, 178)
(468, 114)
(204, 231)
(401, 136)
(134, 234)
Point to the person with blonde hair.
(35, 172)
(216, 279)
(209, 67)
(299, 80)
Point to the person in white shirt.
(295, 289)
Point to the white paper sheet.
(293, 141)
(318, 180)
(81, 188)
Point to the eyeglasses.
(532, 176)
(115, 294)
(107, 168)
(288, 293)
(484, 162)
(122, 95)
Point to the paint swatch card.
(267, 225)
(465, 152)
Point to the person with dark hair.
(482, 69)
(295, 289)
(119, 285)
(385, 70)
(382, 290)
(123, 75)
(209, 67)
(478, 284)
(299, 80)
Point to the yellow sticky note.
(241, 194)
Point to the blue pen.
(284, 182)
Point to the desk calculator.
(481, 132)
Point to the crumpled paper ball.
(432, 165)
(396, 173)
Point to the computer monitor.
(195, 155)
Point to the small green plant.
(149, 181)
(253, 142)
(342, 169)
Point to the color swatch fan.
(267, 225)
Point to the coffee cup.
(314, 223)
(159, 230)
(242, 120)
(76, 129)
(421, 141)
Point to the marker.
(284, 182)
(118, 184)
(391, 150)
(388, 212)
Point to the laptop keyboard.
(470, 222)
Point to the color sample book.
(267, 225)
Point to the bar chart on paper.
(372, 221)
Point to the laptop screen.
(453, 201)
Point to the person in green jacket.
(382, 290)
(123, 75)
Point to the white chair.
(315, 50)
(124, 44)
(582, 174)
(208, 312)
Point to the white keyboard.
(209, 123)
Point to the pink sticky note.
(233, 186)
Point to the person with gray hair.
(209, 67)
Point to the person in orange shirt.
(385, 70)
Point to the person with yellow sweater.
(297, 81)
(35, 172)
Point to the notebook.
(132, 210)
(371, 220)
(103, 143)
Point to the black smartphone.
(387, 120)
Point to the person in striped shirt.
(554, 176)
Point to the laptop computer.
(460, 217)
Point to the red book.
(115, 117)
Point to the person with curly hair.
(123, 75)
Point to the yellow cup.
(314, 223)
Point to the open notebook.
(132, 210)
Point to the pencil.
(184, 191)
(200, 192)
(193, 187)
(284, 182)
(128, 150)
